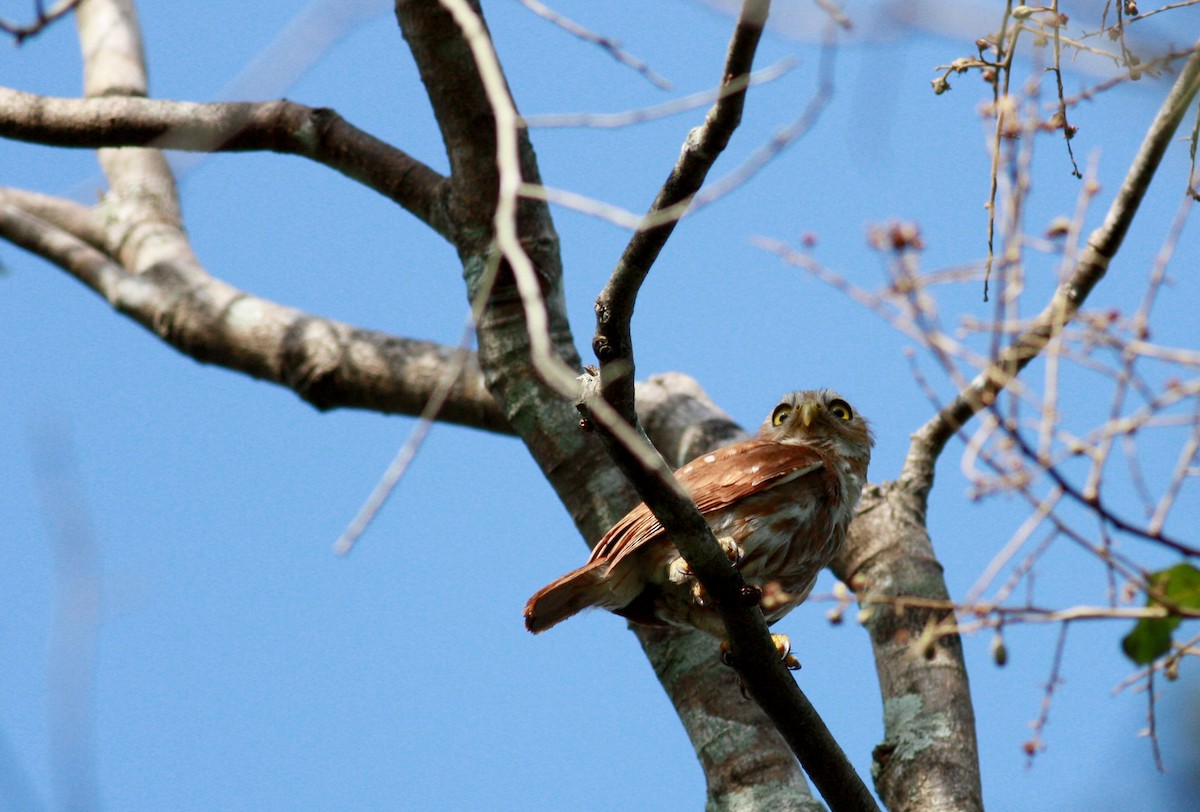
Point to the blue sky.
(239, 664)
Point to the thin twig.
(1036, 744)
(612, 46)
(41, 21)
(664, 110)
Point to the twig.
(437, 399)
(1068, 131)
(664, 110)
(610, 45)
(404, 457)
(1099, 508)
(836, 14)
(1152, 722)
(612, 342)
(41, 21)
(1036, 744)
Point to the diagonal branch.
(613, 342)
(753, 652)
(319, 134)
(74, 218)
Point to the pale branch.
(327, 363)
(143, 222)
(1093, 262)
(1092, 502)
(285, 127)
(74, 218)
(929, 756)
(613, 342)
(674, 107)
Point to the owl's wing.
(714, 481)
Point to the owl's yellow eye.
(841, 410)
(781, 414)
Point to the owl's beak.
(808, 412)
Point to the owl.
(778, 504)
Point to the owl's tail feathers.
(572, 593)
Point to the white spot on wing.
(711, 458)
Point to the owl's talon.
(679, 572)
(784, 646)
(733, 551)
(699, 594)
(726, 654)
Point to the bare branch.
(613, 343)
(74, 218)
(836, 14)
(929, 757)
(321, 135)
(327, 363)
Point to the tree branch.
(319, 134)
(575, 465)
(929, 757)
(613, 342)
(74, 218)
(327, 363)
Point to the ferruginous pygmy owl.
(779, 504)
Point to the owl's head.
(819, 417)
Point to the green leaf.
(1151, 637)
(1182, 586)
